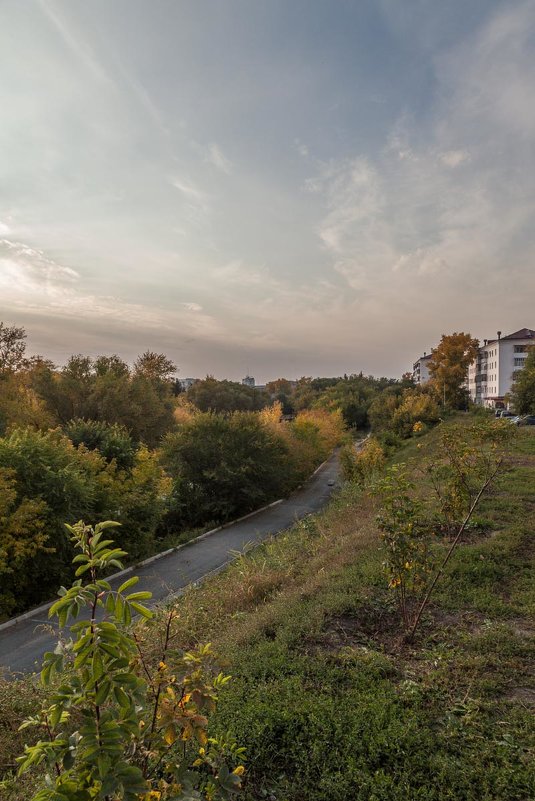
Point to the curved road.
(23, 644)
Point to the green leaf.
(128, 583)
(139, 596)
(141, 610)
(103, 693)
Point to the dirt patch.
(522, 627)
(522, 695)
(380, 628)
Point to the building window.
(521, 348)
(519, 362)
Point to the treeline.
(98, 440)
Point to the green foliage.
(468, 455)
(405, 537)
(465, 463)
(211, 395)
(115, 726)
(56, 482)
(222, 466)
(523, 392)
(398, 411)
(353, 395)
(111, 440)
(46, 480)
(106, 390)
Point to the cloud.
(32, 282)
(302, 149)
(31, 267)
(452, 158)
(411, 214)
(215, 156)
(76, 42)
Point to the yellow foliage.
(184, 411)
(364, 464)
(271, 416)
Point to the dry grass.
(251, 594)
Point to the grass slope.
(329, 702)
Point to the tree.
(47, 481)
(448, 367)
(211, 395)
(154, 366)
(353, 396)
(523, 392)
(12, 347)
(110, 439)
(223, 466)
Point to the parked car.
(507, 413)
(527, 420)
(514, 420)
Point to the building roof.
(524, 333)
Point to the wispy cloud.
(216, 157)
(455, 207)
(75, 41)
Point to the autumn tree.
(523, 392)
(155, 366)
(12, 347)
(448, 367)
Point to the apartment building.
(491, 375)
(420, 370)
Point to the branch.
(440, 570)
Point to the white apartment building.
(420, 370)
(491, 375)
(186, 383)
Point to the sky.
(272, 187)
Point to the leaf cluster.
(116, 726)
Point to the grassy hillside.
(328, 699)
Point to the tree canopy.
(448, 367)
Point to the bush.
(223, 466)
(111, 440)
(363, 466)
(121, 725)
(44, 481)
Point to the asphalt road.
(23, 645)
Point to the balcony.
(481, 377)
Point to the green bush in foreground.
(115, 727)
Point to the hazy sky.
(289, 187)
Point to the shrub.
(223, 466)
(111, 440)
(118, 726)
(362, 466)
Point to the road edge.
(45, 607)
